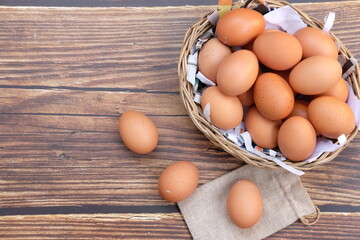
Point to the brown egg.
(210, 57)
(249, 45)
(273, 96)
(247, 98)
(264, 132)
(240, 26)
(315, 75)
(237, 72)
(300, 109)
(297, 138)
(278, 50)
(226, 112)
(339, 90)
(138, 132)
(316, 42)
(244, 204)
(178, 181)
(331, 117)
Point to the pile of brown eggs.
(291, 84)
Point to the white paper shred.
(206, 112)
(197, 97)
(285, 18)
(342, 140)
(192, 67)
(248, 144)
(234, 134)
(322, 145)
(213, 17)
(329, 22)
(204, 79)
(354, 104)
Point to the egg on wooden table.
(178, 181)
(138, 132)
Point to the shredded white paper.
(204, 79)
(192, 67)
(197, 98)
(323, 145)
(285, 18)
(213, 17)
(329, 22)
(354, 104)
(206, 112)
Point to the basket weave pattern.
(196, 114)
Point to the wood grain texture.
(154, 226)
(84, 161)
(66, 75)
(120, 3)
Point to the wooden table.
(66, 75)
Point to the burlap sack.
(284, 201)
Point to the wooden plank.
(42, 47)
(66, 160)
(89, 102)
(154, 226)
(122, 3)
(66, 73)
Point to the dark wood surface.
(123, 3)
(66, 74)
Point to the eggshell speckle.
(331, 117)
(278, 50)
(178, 181)
(244, 204)
(239, 26)
(210, 57)
(138, 132)
(297, 138)
(226, 112)
(264, 132)
(237, 72)
(273, 96)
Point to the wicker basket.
(195, 111)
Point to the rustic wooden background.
(66, 74)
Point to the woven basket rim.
(195, 111)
